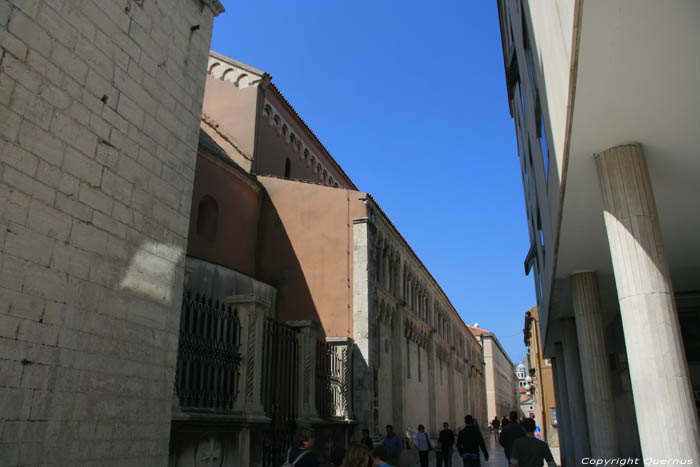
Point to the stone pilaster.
(398, 371)
(574, 386)
(600, 404)
(563, 413)
(433, 426)
(306, 389)
(252, 314)
(657, 362)
(363, 316)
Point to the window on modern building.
(542, 137)
(207, 217)
(287, 168)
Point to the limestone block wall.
(100, 103)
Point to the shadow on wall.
(277, 264)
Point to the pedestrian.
(504, 422)
(446, 441)
(380, 457)
(301, 454)
(366, 440)
(510, 433)
(424, 445)
(356, 456)
(529, 451)
(469, 441)
(495, 426)
(392, 443)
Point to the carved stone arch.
(213, 67)
(226, 73)
(239, 79)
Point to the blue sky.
(410, 99)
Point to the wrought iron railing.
(209, 359)
(279, 389)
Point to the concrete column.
(666, 413)
(566, 447)
(574, 386)
(600, 404)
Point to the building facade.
(500, 378)
(99, 109)
(540, 384)
(277, 226)
(607, 145)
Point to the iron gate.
(279, 390)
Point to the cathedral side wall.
(100, 105)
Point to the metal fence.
(208, 360)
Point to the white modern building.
(604, 98)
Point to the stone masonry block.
(109, 224)
(7, 85)
(55, 178)
(130, 110)
(133, 171)
(100, 127)
(49, 221)
(95, 58)
(30, 32)
(5, 9)
(66, 60)
(20, 72)
(72, 206)
(150, 162)
(71, 260)
(56, 26)
(9, 124)
(36, 376)
(84, 168)
(29, 7)
(117, 187)
(28, 185)
(43, 66)
(41, 143)
(88, 238)
(74, 133)
(95, 199)
(44, 282)
(32, 107)
(13, 45)
(56, 97)
(12, 272)
(18, 158)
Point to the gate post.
(308, 335)
(253, 311)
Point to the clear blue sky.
(410, 99)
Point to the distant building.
(604, 104)
(501, 383)
(540, 384)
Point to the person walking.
(366, 440)
(529, 451)
(446, 441)
(301, 455)
(424, 445)
(510, 433)
(469, 441)
(495, 426)
(392, 443)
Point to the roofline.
(234, 62)
(315, 138)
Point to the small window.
(207, 218)
(267, 111)
(287, 168)
(277, 121)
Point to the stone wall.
(100, 104)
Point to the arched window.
(287, 168)
(207, 217)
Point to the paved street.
(496, 456)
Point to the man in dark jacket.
(469, 441)
(511, 432)
(446, 440)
